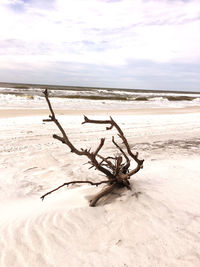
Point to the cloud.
(108, 34)
(24, 5)
(136, 74)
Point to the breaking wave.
(137, 98)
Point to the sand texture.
(158, 226)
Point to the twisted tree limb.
(116, 169)
(74, 182)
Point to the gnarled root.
(102, 193)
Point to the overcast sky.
(152, 44)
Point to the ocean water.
(66, 97)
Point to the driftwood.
(116, 169)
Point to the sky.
(138, 44)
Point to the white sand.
(159, 228)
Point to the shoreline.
(8, 113)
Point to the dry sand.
(159, 228)
(6, 113)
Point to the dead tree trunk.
(116, 169)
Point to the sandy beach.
(100, 133)
(160, 227)
(6, 113)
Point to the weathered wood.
(75, 182)
(102, 193)
(116, 169)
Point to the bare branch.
(66, 140)
(100, 146)
(75, 182)
(121, 134)
(86, 120)
(134, 171)
(124, 154)
(46, 94)
(121, 150)
(109, 163)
